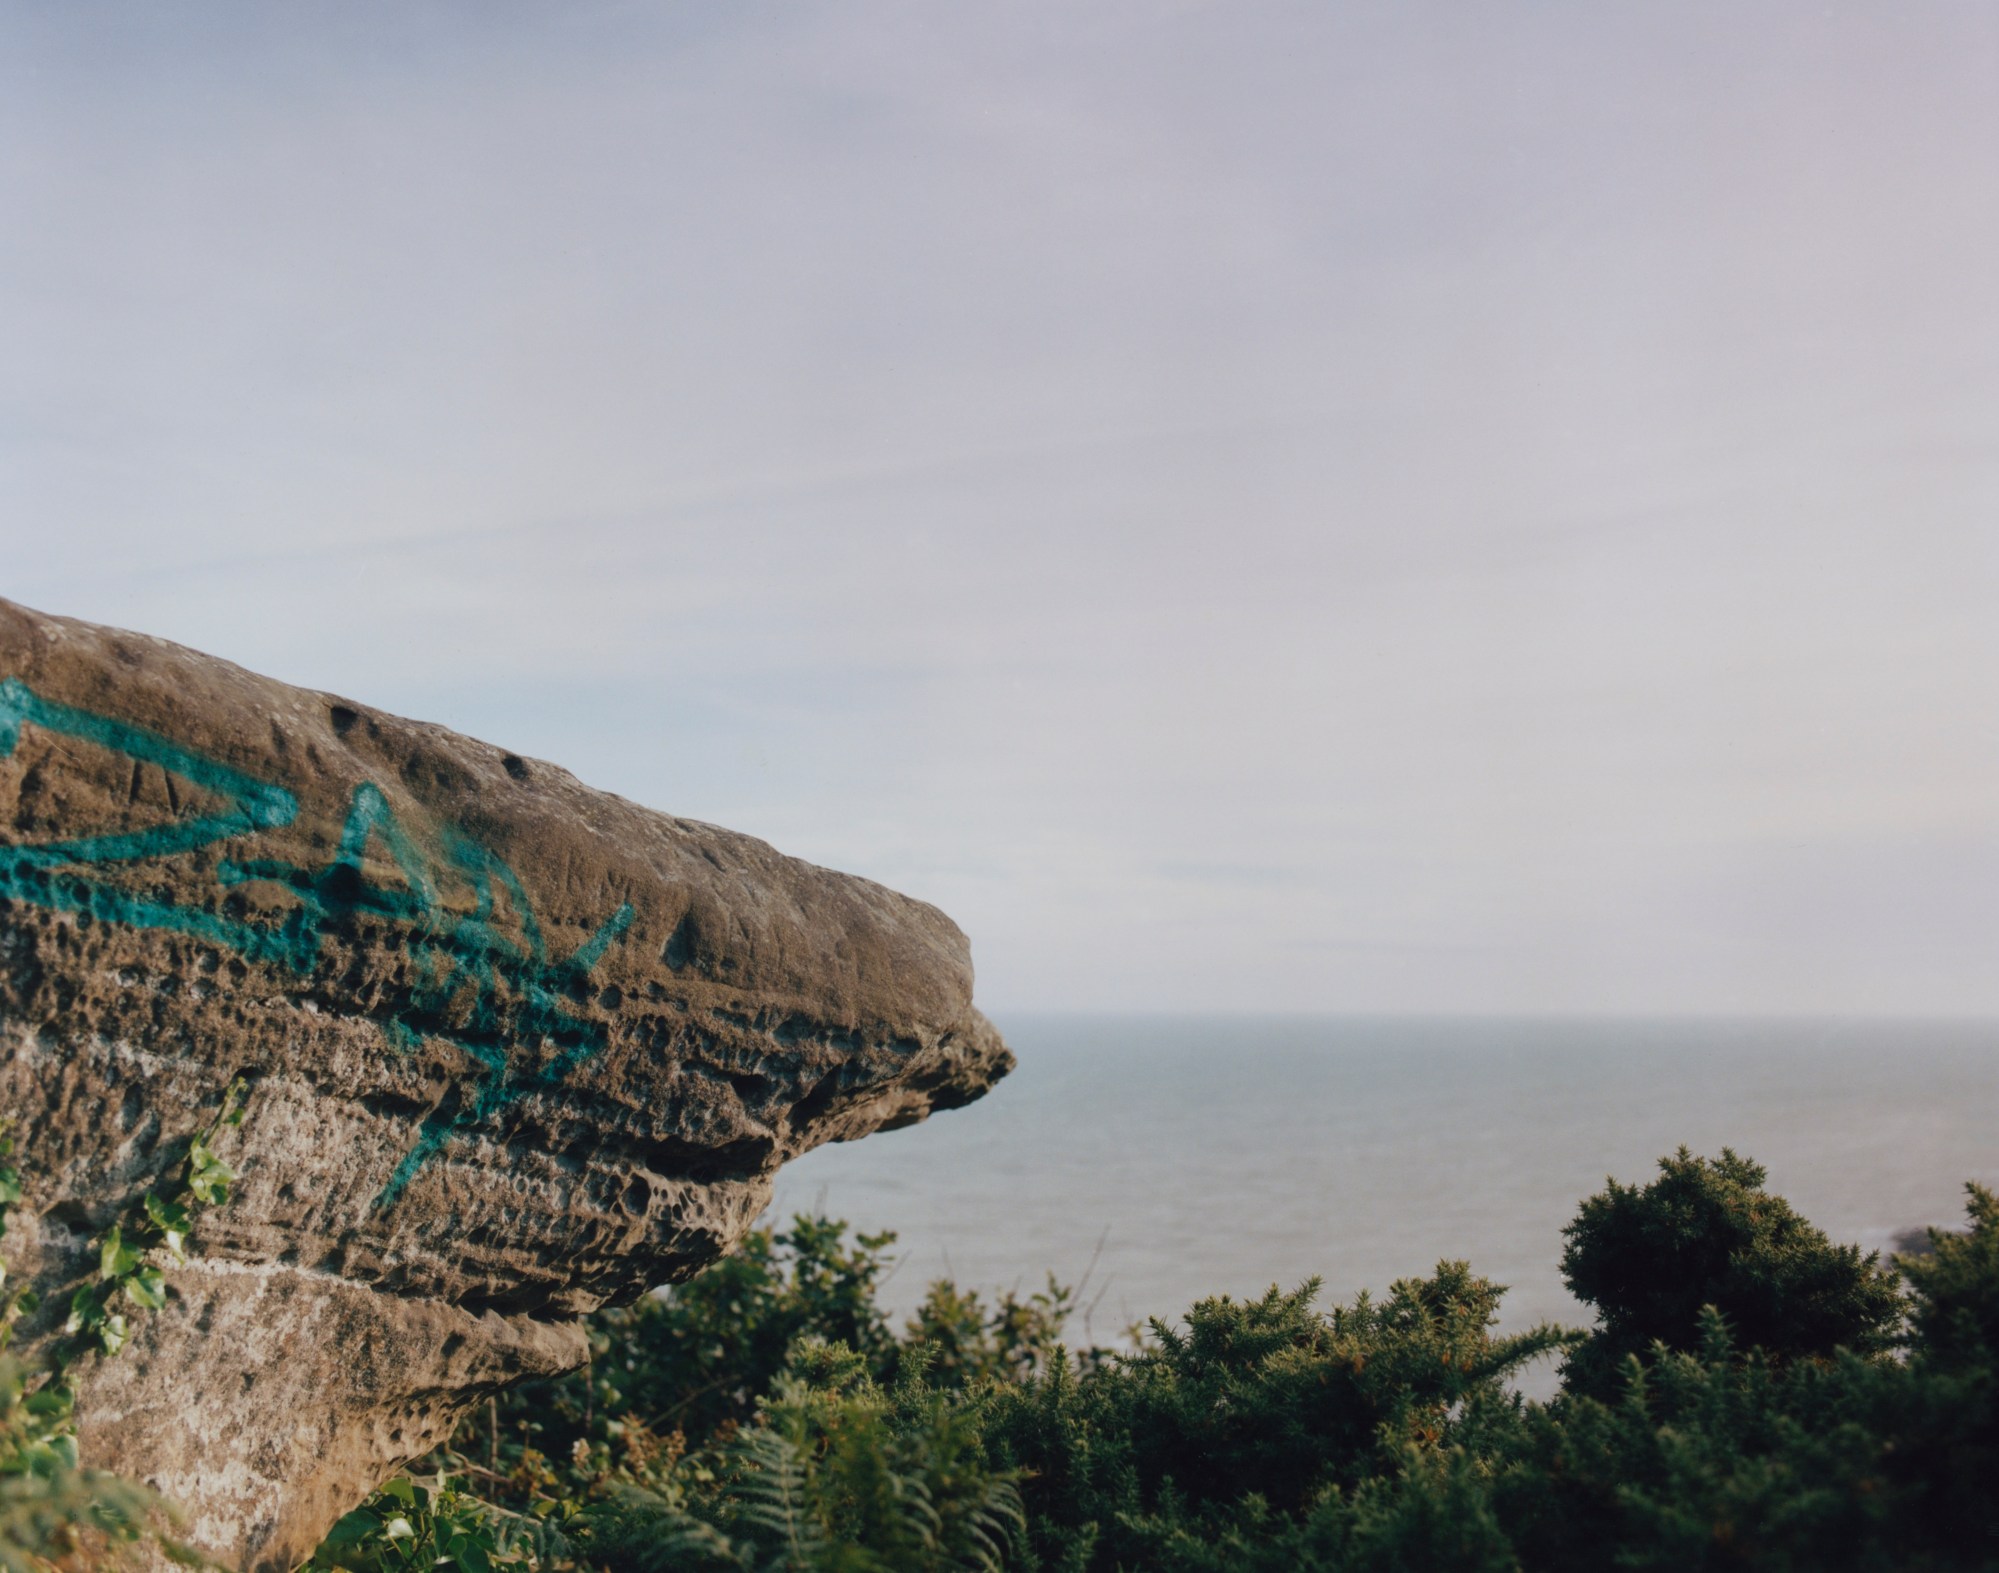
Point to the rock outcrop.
(516, 1048)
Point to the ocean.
(1158, 1160)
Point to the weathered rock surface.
(516, 1048)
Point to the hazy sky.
(1247, 506)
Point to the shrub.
(427, 1523)
(1250, 1413)
(1955, 1311)
(1706, 1233)
(836, 1474)
(1773, 1426)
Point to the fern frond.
(771, 1497)
(638, 1530)
(991, 1524)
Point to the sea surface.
(1157, 1160)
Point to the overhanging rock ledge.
(515, 1047)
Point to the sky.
(1249, 507)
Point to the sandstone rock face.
(516, 1048)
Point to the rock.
(515, 1049)
(1921, 1239)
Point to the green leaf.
(351, 1529)
(209, 1187)
(51, 1402)
(402, 1488)
(84, 1311)
(168, 1217)
(117, 1259)
(148, 1288)
(112, 1334)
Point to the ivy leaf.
(172, 1220)
(49, 1403)
(148, 1287)
(117, 1259)
(111, 1335)
(84, 1311)
(208, 1178)
(168, 1217)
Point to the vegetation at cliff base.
(57, 1514)
(1753, 1396)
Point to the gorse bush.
(1223, 1440)
(1261, 1406)
(1754, 1396)
(1956, 1291)
(1705, 1233)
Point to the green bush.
(1955, 1309)
(426, 1522)
(1706, 1233)
(1754, 1397)
(837, 1474)
(1260, 1407)
(690, 1367)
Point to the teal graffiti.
(496, 995)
